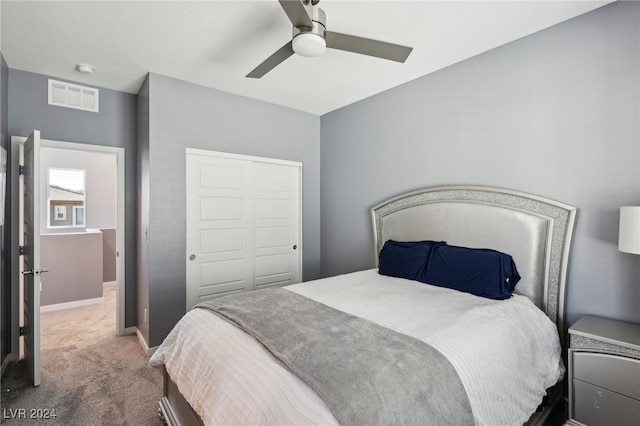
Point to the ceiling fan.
(310, 38)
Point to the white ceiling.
(216, 43)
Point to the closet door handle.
(192, 257)
(295, 246)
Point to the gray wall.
(554, 114)
(114, 125)
(109, 266)
(143, 208)
(185, 115)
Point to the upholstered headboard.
(535, 231)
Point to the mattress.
(506, 352)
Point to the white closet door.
(276, 224)
(243, 224)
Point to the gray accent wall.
(554, 114)
(114, 125)
(183, 115)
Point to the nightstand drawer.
(595, 406)
(616, 373)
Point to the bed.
(505, 354)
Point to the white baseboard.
(130, 330)
(74, 304)
(147, 350)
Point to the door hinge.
(21, 250)
(22, 332)
(21, 170)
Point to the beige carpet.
(90, 376)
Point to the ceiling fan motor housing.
(310, 41)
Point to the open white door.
(31, 258)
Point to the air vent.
(73, 96)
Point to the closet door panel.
(243, 224)
(219, 246)
(277, 224)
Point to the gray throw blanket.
(366, 374)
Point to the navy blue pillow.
(404, 259)
(483, 272)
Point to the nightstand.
(604, 372)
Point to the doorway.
(68, 148)
(77, 227)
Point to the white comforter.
(507, 353)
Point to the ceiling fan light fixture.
(309, 45)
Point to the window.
(60, 213)
(66, 198)
(78, 215)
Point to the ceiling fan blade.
(296, 12)
(272, 61)
(367, 46)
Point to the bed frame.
(535, 231)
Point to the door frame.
(120, 234)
